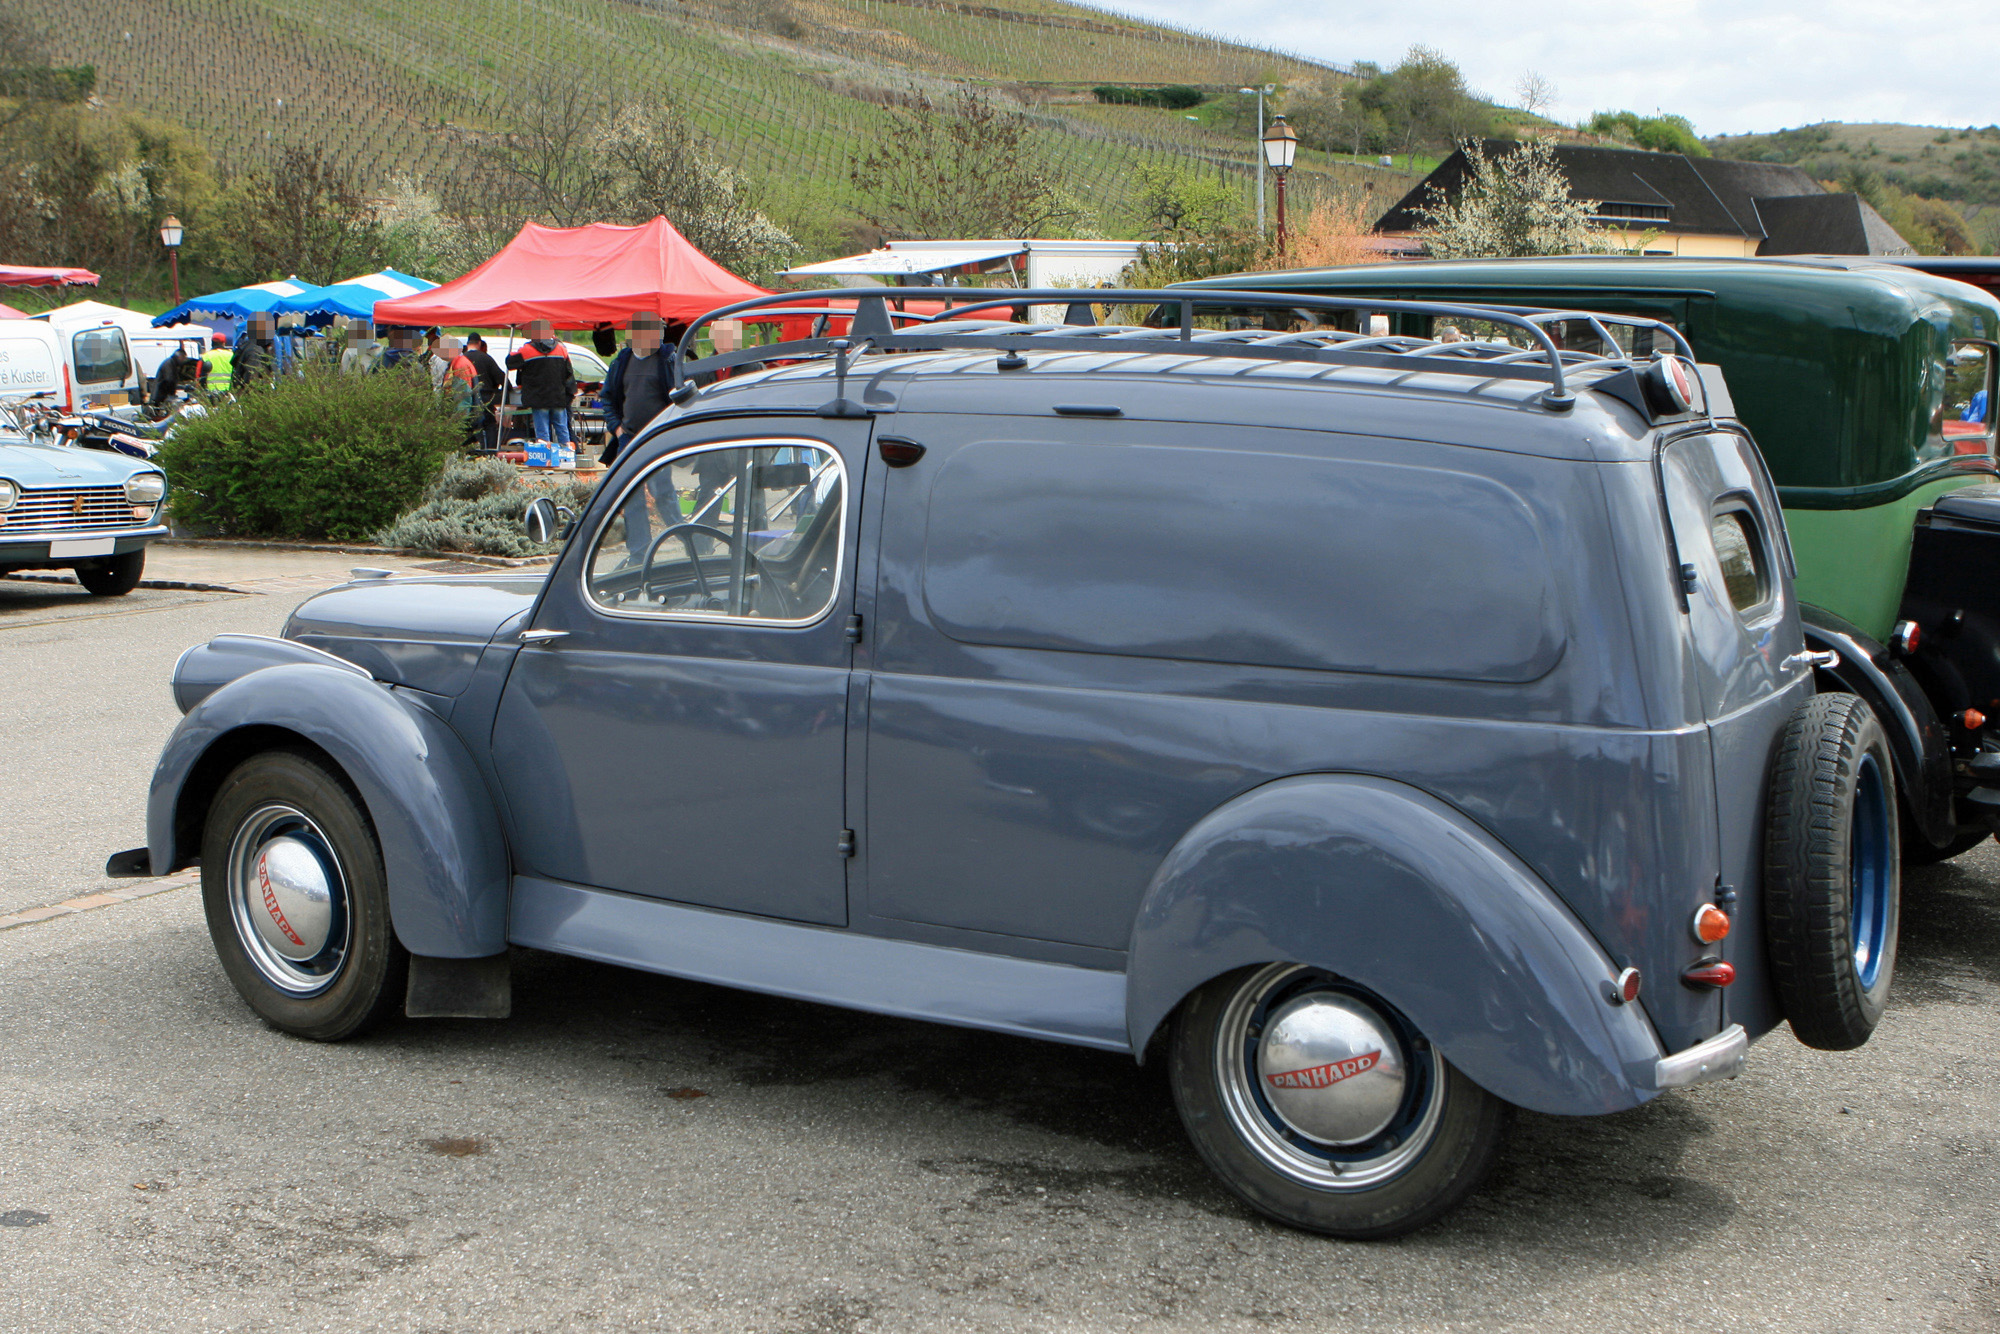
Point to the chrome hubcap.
(288, 899)
(1323, 1082)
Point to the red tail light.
(1716, 974)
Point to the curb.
(102, 899)
(349, 549)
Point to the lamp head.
(1281, 144)
(170, 232)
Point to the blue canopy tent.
(354, 298)
(236, 304)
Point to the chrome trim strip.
(1720, 1057)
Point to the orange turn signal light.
(1973, 720)
(1710, 924)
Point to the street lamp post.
(170, 237)
(1281, 146)
(1261, 93)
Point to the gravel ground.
(637, 1153)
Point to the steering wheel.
(686, 532)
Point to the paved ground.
(631, 1152)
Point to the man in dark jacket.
(548, 384)
(492, 388)
(177, 370)
(636, 387)
(257, 354)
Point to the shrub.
(1175, 97)
(475, 506)
(319, 455)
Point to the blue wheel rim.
(1871, 873)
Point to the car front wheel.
(114, 576)
(296, 899)
(1321, 1106)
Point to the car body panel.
(70, 495)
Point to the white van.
(81, 367)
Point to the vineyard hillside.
(791, 91)
(1959, 164)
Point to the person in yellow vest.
(218, 366)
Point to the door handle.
(1825, 661)
(529, 638)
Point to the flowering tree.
(1515, 204)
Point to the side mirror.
(540, 521)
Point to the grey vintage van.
(1378, 732)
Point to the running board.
(1057, 1002)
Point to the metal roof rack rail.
(873, 327)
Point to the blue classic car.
(87, 510)
(1378, 732)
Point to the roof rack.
(873, 328)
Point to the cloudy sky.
(1729, 67)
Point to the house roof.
(1828, 224)
(1676, 194)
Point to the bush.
(475, 506)
(1175, 97)
(320, 455)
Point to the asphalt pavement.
(637, 1153)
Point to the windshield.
(102, 356)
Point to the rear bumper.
(1720, 1057)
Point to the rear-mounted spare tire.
(1832, 872)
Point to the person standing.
(636, 387)
(362, 352)
(492, 389)
(218, 366)
(257, 353)
(177, 370)
(548, 383)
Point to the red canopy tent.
(14, 275)
(576, 278)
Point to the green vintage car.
(1869, 387)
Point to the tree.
(664, 168)
(1536, 94)
(1656, 134)
(1516, 204)
(963, 168)
(1424, 103)
(547, 164)
(304, 215)
(1180, 205)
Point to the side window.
(102, 356)
(1739, 549)
(731, 531)
(1967, 424)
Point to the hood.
(423, 633)
(61, 465)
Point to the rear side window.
(1967, 422)
(102, 356)
(1234, 556)
(1745, 574)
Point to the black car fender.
(1917, 739)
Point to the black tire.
(359, 974)
(1440, 1144)
(1832, 872)
(114, 576)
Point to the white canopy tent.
(1036, 263)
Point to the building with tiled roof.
(1672, 204)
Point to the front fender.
(1389, 887)
(442, 845)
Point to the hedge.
(1175, 97)
(318, 455)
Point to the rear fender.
(1388, 887)
(442, 845)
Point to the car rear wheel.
(1832, 872)
(296, 899)
(114, 576)
(1322, 1107)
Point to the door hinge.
(847, 843)
(854, 628)
(1689, 578)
